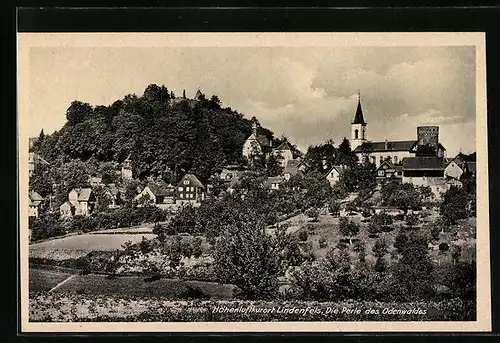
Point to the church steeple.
(358, 127)
(358, 117)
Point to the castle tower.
(358, 127)
(126, 171)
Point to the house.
(387, 170)
(283, 153)
(333, 175)
(35, 160)
(229, 172)
(273, 183)
(67, 210)
(35, 200)
(114, 195)
(426, 144)
(83, 200)
(454, 170)
(157, 193)
(190, 190)
(95, 181)
(293, 167)
(426, 171)
(256, 144)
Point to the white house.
(256, 144)
(284, 153)
(333, 175)
(34, 203)
(81, 201)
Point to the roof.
(67, 203)
(273, 179)
(471, 166)
(381, 146)
(358, 117)
(159, 189)
(193, 180)
(83, 193)
(235, 181)
(34, 196)
(263, 141)
(337, 168)
(198, 94)
(35, 158)
(292, 167)
(389, 164)
(424, 163)
(284, 146)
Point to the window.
(180, 189)
(380, 173)
(186, 182)
(182, 195)
(356, 134)
(191, 195)
(395, 159)
(381, 159)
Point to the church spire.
(358, 117)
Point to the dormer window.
(186, 182)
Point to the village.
(420, 161)
(330, 224)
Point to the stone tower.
(358, 127)
(127, 169)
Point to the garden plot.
(73, 247)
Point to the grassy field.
(81, 245)
(92, 284)
(44, 280)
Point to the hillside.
(163, 134)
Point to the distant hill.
(159, 131)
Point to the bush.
(323, 243)
(443, 247)
(380, 222)
(312, 213)
(411, 220)
(303, 235)
(334, 207)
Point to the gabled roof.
(337, 168)
(284, 146)
(67, 203)
(34, 196)
(160, 189)
(423, 163)
(193, 180)
(358, 117)
(386, 146)
(292, 167)
(83, 193)
(388, 163)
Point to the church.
(426, 143)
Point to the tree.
(334, 207)
(413, 271)
(78, 112)
(346, 156)
(41, 180)
(312, 213)
(321, 158)
(273, 165)
(411, 220)
(380, 222)
(454, 205)
(245, 256)
(348, 228)
(444, 247)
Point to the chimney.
(386, 145)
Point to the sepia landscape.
(170, 206)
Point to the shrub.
(443, 247)
(323, 243)
(303, 235)
(411, 220)
(312, 213)
(334, 207)
(380, 222)
(348, 228)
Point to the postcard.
(253, 182)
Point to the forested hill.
(159, 131)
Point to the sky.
(308, 94)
